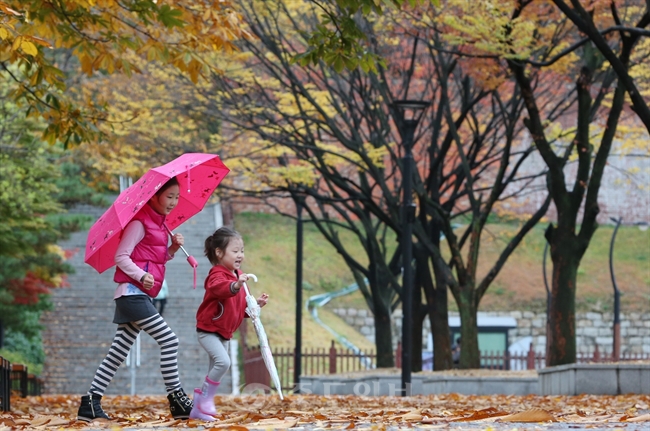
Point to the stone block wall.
(591, 329)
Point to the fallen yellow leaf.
(532, 415)
(642, 418)
(273, 424)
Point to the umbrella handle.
(186, 253)
(248, 292)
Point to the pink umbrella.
(198, 175)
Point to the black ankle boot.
(179, 404)
(91, 408)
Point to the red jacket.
(151, 252)
(221, 310)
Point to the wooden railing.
(16, 378)
(333, 361)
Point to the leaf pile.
(58, 412)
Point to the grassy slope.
(520, 285)
(270, 253)
(270, 244)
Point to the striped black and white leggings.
(124, 339)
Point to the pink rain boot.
(205, 401)
(196, 413)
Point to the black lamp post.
(407, 114)
(616, 348)
(297, 368)
(548, 301)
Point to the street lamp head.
(409, 110)
(407, 114)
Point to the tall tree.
(151, 118)
(98, 36)
(339, 38)
(30, 262)
(611, 30)
(577, 204)
(600, 85)
(35, 193)
(329, 138)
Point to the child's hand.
(243, 278)
(177, 242)
(262, 300)
(147, 281)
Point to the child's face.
(233, 256)
(165, 202)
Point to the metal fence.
(336, 361)
(5, 384)
(313, 361)
(16, 380)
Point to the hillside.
(270, 242)
(270, 246)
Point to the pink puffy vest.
(150, 253)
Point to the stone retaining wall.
(591, 329)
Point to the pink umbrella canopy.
(198, 175)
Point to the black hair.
(219, 240)
(170, 182)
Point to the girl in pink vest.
(222, 311)
(141, 257)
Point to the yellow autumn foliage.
(106, 36)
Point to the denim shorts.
(130, 308)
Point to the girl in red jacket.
(222, 311)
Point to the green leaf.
(338, 64)
(169, 17)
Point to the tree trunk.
(470, 356)
(380, 307)
(423, 285)
(436, 299)
(379, 298)
(566, 253)
(384, 340)
(419, 314)
(439, 318)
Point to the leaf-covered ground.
(313, 412)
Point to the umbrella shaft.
(172, 234)
(185, 251)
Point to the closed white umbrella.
(253, 310)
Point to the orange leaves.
(532, 415)
(489, 412)
(242, 413)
